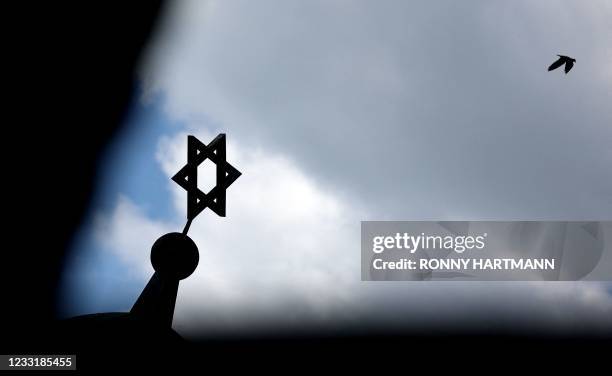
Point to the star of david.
(187, 177)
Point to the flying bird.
(568, 61)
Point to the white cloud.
(453, 99)
(339, 112)
(287, 256)
(128, 234)
(281, 247)
(285, 246)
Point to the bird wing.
(556, 64)
(568, 66)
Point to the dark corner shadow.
(74, 81)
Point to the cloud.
(284, 243)
(128, 233)
(338, 112)
(418, 109)
(287, 258)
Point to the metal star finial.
(187, 177)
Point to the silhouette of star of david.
(187, 177)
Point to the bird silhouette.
(568, 61)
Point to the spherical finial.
(175, 255)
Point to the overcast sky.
(343, 111)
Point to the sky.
(342, 111)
